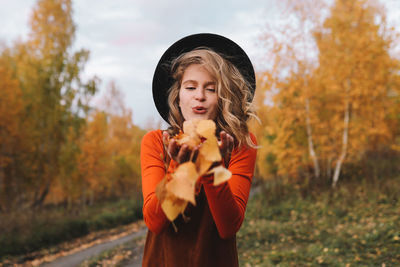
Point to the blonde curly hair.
(234, 108)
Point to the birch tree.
(332, 108)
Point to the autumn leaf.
(210, 150)
(175, 193)
(221, 175)
(172, 207)
(189, 135)
(183, 182)
(203, 164)
(206, 128)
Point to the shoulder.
(155, 135)
(253, 138)
(152, 140)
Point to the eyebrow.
(195, 82)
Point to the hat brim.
(162, 79)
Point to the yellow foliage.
(307, 98)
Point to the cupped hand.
(226, 144)
(179, 153)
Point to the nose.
(200, 94)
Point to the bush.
(32, 231)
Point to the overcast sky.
(126, 38)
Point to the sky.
(126, 38)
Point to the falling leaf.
(189, 136)
(183, 182)
(189, 127)
(203, 164)
(191, 141)
(221, 175)
(186, 171)
(206, 128)
(210, 150)
(173, 207)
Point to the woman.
(202, 76)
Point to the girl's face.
(197, 95)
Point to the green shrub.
(31, 231)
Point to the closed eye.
(191, 88)
(211, 89)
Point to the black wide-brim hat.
(228, 49)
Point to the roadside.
(128, 254)
(80, 257)
(77, 251)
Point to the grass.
(357, 224)
(24, 234)
(353, 225)
(122, 255)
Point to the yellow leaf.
(210, 150)
(221, 175)
(206, 128)
(191, 141)
(202, 164)
(186, 171)
(183, 182)
(190, 136)
(172, 208)
(189, 127)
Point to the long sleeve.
(153, 171)
(228, 201)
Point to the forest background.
(328, 99)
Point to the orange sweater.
(227, 202)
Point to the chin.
(196, 117)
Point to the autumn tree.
(288, 145)
(329, 95)
(10, 137)
(94, 159)
(355, 64)
(125, 143)
(108, 161)
(54, 95)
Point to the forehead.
(196, 72)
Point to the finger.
(230, 143)
(195, 153)
(223, 141)
(184, 154)
(165, 137)
(173, 149)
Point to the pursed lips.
(199, 110)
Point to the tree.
(94, 159)
(355, 62)
(329, 88)
(109, 162)
(124, 142)
(10, 132)
(54, 96)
